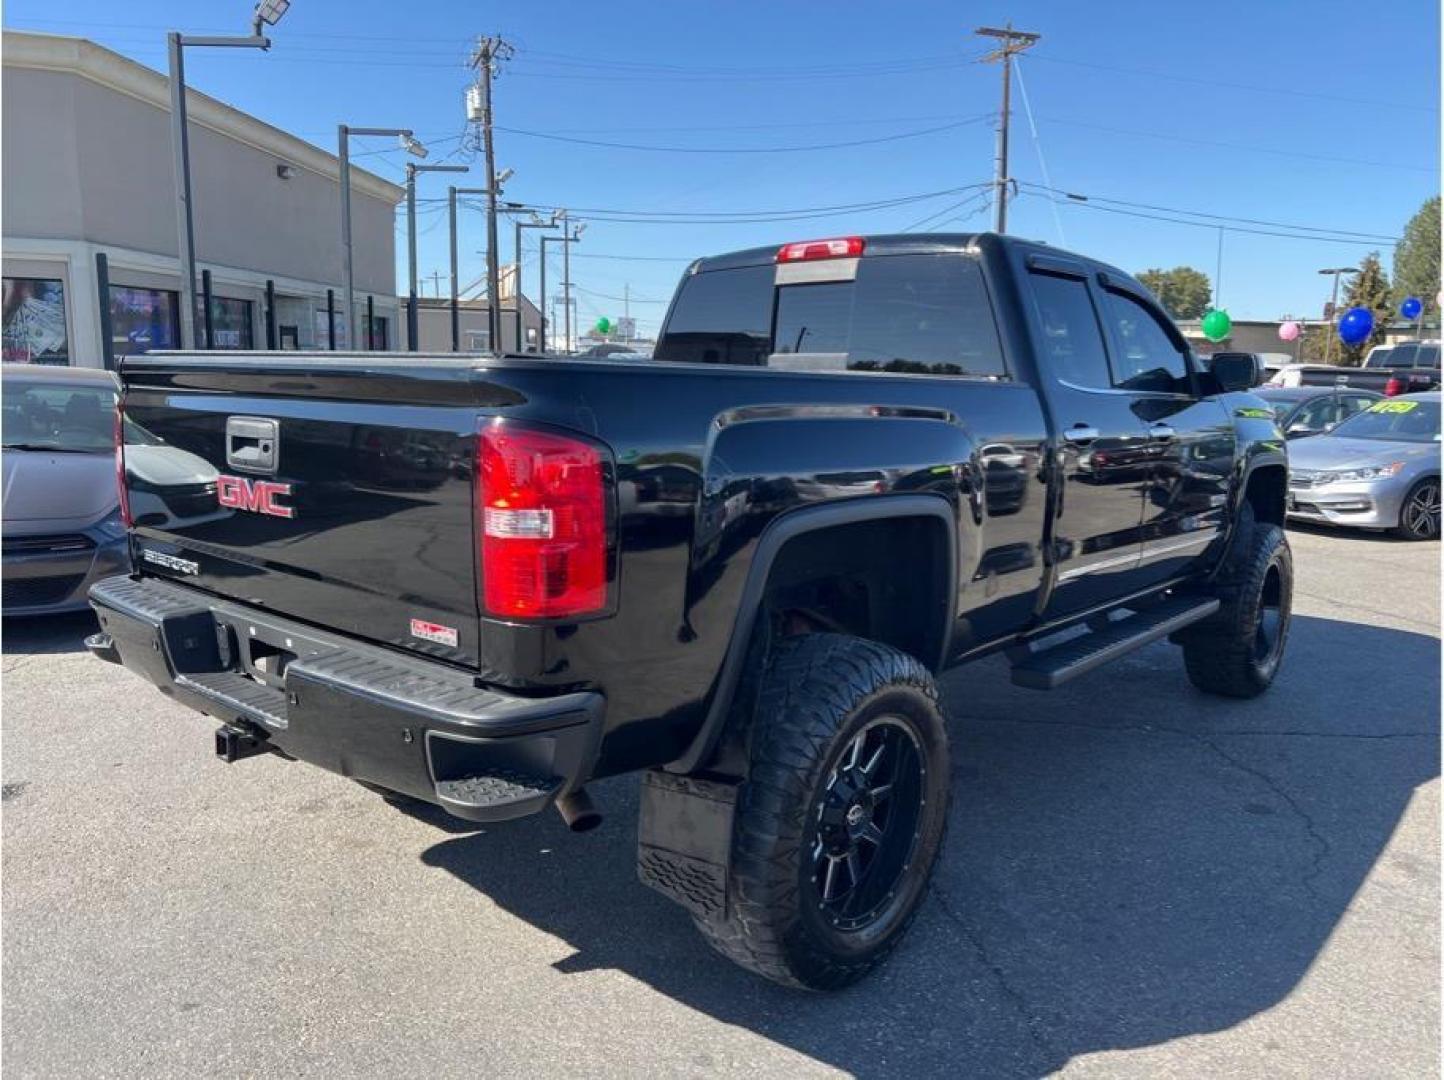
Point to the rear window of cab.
(921, 314)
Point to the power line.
(731, 217)
(948, 209)
(746, 149)
(1076, 197)
(1038, 146)
(1206, 225)
(619, 299)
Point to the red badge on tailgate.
(257, 496)
(430, 631)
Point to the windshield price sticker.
(1394, 406)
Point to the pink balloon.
(1289, 331)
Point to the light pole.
(1338, 272)
(545, 240)
(412, 169)
(536, 222)
(267, 13)
(451, 194)
(343, 152)
(571, 239)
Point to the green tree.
(1369, 289)
(1416, 259)
(1183, 291)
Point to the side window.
(1147, 357)
(1353, 403)
(1315, 415)
(1072, 340)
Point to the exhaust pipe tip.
(578, 811)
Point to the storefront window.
(231, 325)
(142, 319)
(380, 334)
(322, 321)
(34, 321)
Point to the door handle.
(1162, 432)
(1080, 433)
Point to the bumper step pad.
(496, 787)
(240, 694)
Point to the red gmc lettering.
(256, 496)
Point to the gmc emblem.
(257, 496)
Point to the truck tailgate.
(338, 491)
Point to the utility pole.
(484, 58)
(1338, 272)
(1013, 42)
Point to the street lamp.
(267, 13)
(567, 281)
(343, 140)
(536, 222)
(1338, 272)
(412, 328)
(493, 322)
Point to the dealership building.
(87, 173)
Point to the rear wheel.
(842, 814)
(1419, 516)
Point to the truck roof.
(896, 244)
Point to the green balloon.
(1216, 325)
(604, 325)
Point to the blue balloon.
(1356, 326)
(1411, 307)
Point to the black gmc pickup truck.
(483, 581)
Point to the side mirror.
(1299, 431)
(1236, 370)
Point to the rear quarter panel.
(707, 457)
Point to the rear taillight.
(120, 468)
(842, 248)
(541, 505)
(1393, 387)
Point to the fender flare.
(1268, 459)
(778, 532)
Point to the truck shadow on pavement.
(1129, 862)
(36, 634)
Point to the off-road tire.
(820, 695)
(1419, 514)
(1237, 652)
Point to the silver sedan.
(1379, 469)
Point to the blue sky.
(1320, 114)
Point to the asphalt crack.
(1019, 1001)
(1322, 848)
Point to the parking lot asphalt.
(1139, 881)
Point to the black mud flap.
(684, 840)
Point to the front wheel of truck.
(840, 819)
(1237, 652)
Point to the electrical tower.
(1013, 42)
